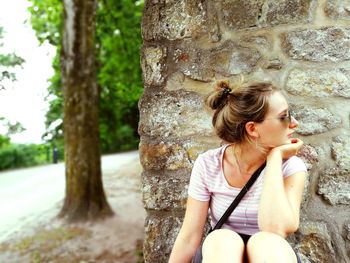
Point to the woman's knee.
(223, 241)
(271, 247)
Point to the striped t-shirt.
(208, 183)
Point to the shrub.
(22, 155)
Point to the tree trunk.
(85, 198)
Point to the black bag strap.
(238, 198)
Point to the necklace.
(240, 172)
(238, 165)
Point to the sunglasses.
(286, 119)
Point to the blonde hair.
(235, 105)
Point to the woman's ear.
(252, 129)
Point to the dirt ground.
(116, 239)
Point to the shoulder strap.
(238, 198)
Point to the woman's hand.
(287, 150)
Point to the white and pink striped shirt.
(208, 183)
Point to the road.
(25, 194)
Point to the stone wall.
(301, 45)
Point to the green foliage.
(12, 128)
(7, 61)
(46, 19)
(10, 60)
(21, 155)
(118, 37)
(118, 41)
(4, 140)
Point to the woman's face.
(278, 126)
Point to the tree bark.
(85, 198)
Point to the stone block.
(225, 60)
(175, 20)
(176, 114)
(315, 242)
(279, 12)
(274, 63)
(334, 186)
(309, 155)
(163, 155)
(319, 83)
(160, 234)
(338, 9)
(315, 120)
(303, 258)
(341, 151)
(160, 155)
(178, 81)
(153, 61)
(347, 237)
(239, 14)
(318, 45)
(165, 191)
(347, 231)
(306, 194)
(260, 42)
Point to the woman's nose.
(294, 123)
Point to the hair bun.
(224, 87)
(218, 97)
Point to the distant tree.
(4, 138)
(12, 127)
(85, 197)
(117, 46)
(7, 61)
(118, 42)
(47, 21)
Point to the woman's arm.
(191, 232)
(281, 198)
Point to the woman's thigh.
(269, 247)
(223, 245)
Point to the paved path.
(25, 194)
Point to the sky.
(23, 100)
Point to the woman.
(255, 123)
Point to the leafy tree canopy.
(118, 42)
(7, 61)
(11, 128)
